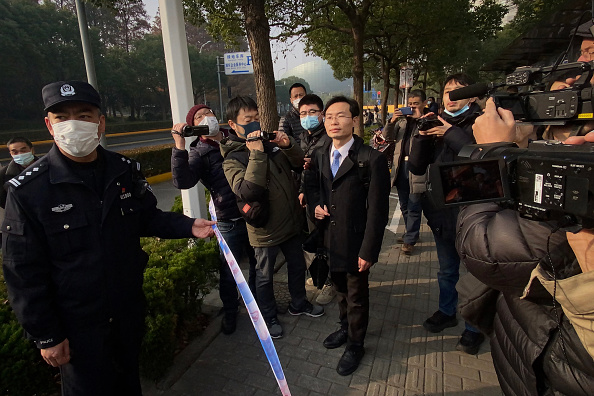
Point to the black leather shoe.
(350, 360)
(336, 339)
(229, 322)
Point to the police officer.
(72, 257)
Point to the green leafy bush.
(22, 370)
(178, 275)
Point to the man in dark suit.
(348, 184)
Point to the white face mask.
(213, 125)
(77, 138)
(296, 103)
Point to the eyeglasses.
(206, 114)
(339, 118)
(311, 112)
(588, 53)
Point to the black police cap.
(585, 30)
(69, 91)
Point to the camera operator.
(204, 163)
(442, 144)
(536, 349)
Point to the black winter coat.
(204, 163)
(358, 215)
(72, 258)
(311, 142)
(426, 150)
(501, 249)
(291, 125)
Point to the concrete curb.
(159, 178)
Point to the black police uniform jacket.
(358, 214)
(72, 259)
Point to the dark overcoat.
(358, 214)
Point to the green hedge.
(179, 274)
(22, 370)
(154, 160)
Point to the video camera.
(195, 130)
(548, 181)
(262, 136)
(537, 105)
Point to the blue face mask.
(457, 113)
(24, 158)
(249, 128)
(310, 122)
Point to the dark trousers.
(410, 205)
(236, 236)
(353, 292)
(266, 258)
(103, 361)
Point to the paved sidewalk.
(401, 357)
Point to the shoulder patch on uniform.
(135, 164)
(30, 174)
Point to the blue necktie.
(335, 162)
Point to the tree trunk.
(132, 108)
(358, 29)
(258, 35)
(425, 80)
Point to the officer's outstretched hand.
(202, 228)
(58, 354)
(495, 125)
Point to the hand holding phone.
(407, 111)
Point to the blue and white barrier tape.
(252, 308)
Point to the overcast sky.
(282, 63)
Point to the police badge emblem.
(67, 90)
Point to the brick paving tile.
(315, 384)
(402, 359)
(330, 374)
(376, 389)
(394, 391)
(336, 389)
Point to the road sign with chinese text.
(238, 63)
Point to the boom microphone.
(474, 90)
